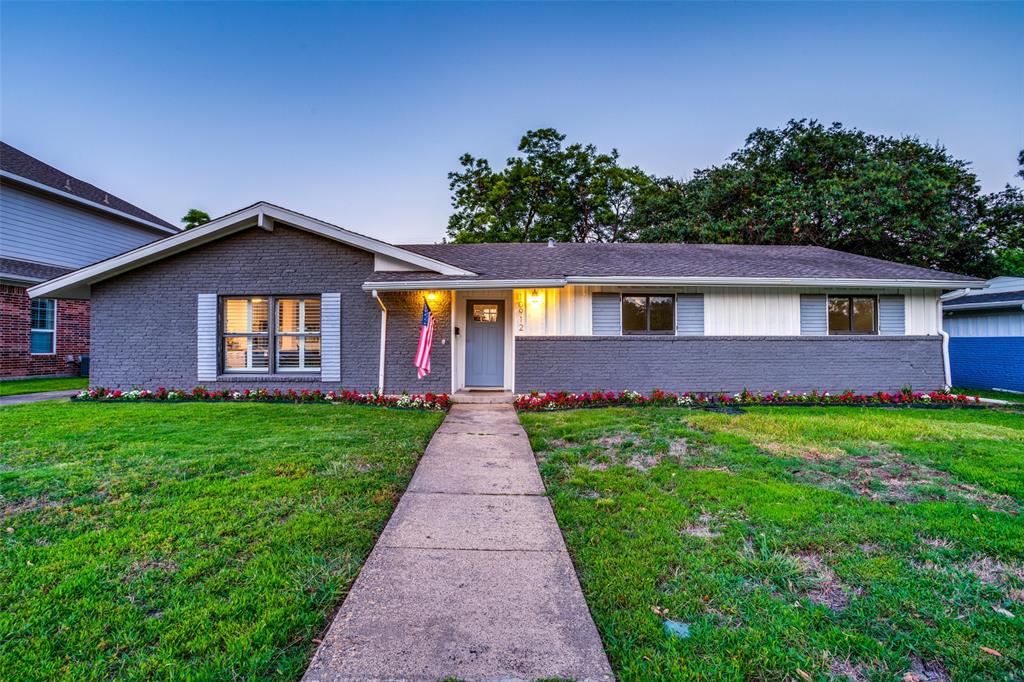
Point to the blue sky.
(354, 113)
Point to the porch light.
(431, 296)
(535, 297)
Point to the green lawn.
(824, 543)
(19, 386)
(187, 541)
(998, 395)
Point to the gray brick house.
(267, 297)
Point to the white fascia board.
(413, 285)
(215, 229)
(85, 202)
(767, 282)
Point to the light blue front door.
(485, 344)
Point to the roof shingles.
(1008, 297)
(540, 261)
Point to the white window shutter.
(206, 337)
(330, 337)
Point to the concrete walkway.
(36, 397)
(470, 579)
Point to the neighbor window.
(298, 334)
(43, 336)
(246, 334)
(852, 315)
(648, 314)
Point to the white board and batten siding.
(46, 231)
(207, 343)
(722, 311)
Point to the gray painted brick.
(405, 312)
(144, 321)
(718, 363)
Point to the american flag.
(422, 360)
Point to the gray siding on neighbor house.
(144, 329)
(45, 230)
(405, 315)
(990, 322)
(722, 363)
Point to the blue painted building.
(986, 335)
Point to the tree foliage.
(1004, 216)
(195, 218)
(571, 193)
(808, 184)
(896, 198)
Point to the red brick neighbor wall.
(16, 360)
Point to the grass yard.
(814, 543)
(20, 386)
(187, 541)
(998, 395)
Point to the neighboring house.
(986, 335)
(266, 297)
(52, 223)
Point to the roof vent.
(551, 242)
(106, 200)
(67, 184)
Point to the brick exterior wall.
(708, 363)
(144, 321)
(405, 314)
(16, 359)
(987, 361)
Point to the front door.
(485, 344)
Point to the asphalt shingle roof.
(32, 271)
(1009, 297)
(15, 161)
(539, 261)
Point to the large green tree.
(1004, 217)
(571, 193)
(895, 198)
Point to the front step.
(483, 397)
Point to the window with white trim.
(297, 340)
(245, 331)
(43, 326)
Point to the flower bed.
(426, 401)
(907, 398)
